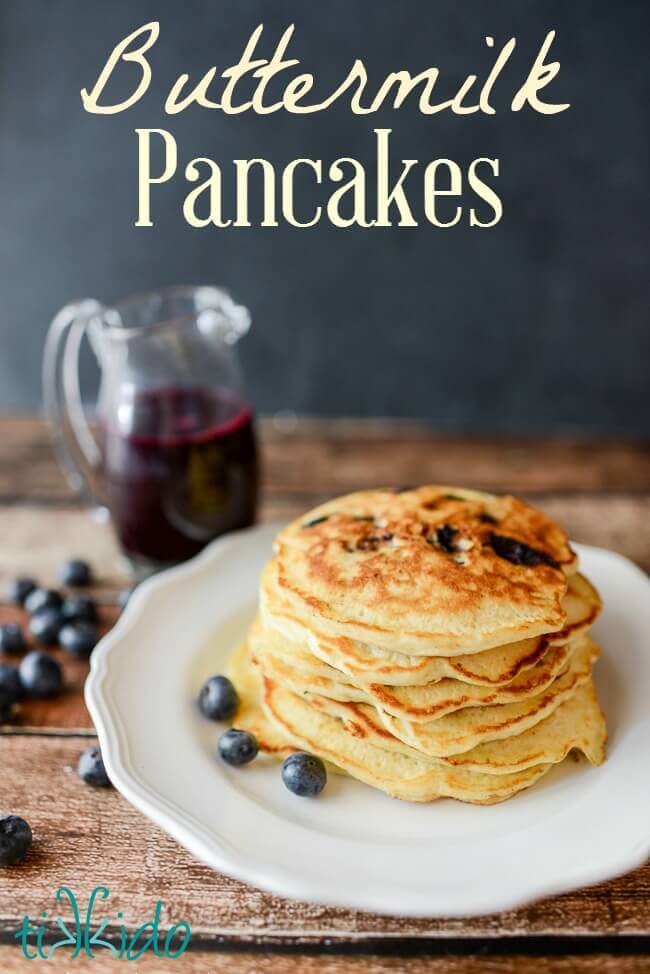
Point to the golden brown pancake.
(430, 642)
(463, 729)
(303, 673)
(436, 570)
(576, 722)
(364, 664)
(288, 717)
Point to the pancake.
(433, 571)
(462, 730)
(288, 717)
(364, 664)
(576, 723)
(250, 716)
(465, 729)
(431, 642)
(301, 672)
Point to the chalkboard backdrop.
(538, 325)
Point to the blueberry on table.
(79, 637)
(10, 682)
(237, 747)
(76, 572)
(40, 675)
(43, 598)
(12, 640)
(15, 839)
(45, 626)
(304, 774)
(218, 699)
(20, 588)
(91, 768)
(79, 607)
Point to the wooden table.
(84, 837)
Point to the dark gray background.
(537, 325)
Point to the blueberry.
(238, 747)
(79, 607)
(487, 518)
(445, 537)
(10, 682)
(45, 626)
(40, 675)
(76, 572)
(43, 598)
(304, 774)
(218, 699)
(20, 588)
(79, 637)
(316, 520)
(15, 839)
(519, 553)
(91, 768)
(12, 640)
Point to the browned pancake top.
(455, 567)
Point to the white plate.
(354, 846)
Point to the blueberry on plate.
(45, 626)
(79, 637)
(91, 768)
(79, 607)
(237, 747)
(40, 675)
(43, 598)
(76, 572)
(218, 699)
(20, 588)
(304, 774)
(10, 682)
(15, 839)
(12, 640)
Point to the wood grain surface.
(256, 963)
(84, 837)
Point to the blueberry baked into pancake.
(431, 642)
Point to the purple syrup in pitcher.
(179, 468)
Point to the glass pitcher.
(171, 451)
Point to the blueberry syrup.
(179, 468)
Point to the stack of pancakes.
(430, 642)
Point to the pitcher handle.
(74, 443)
